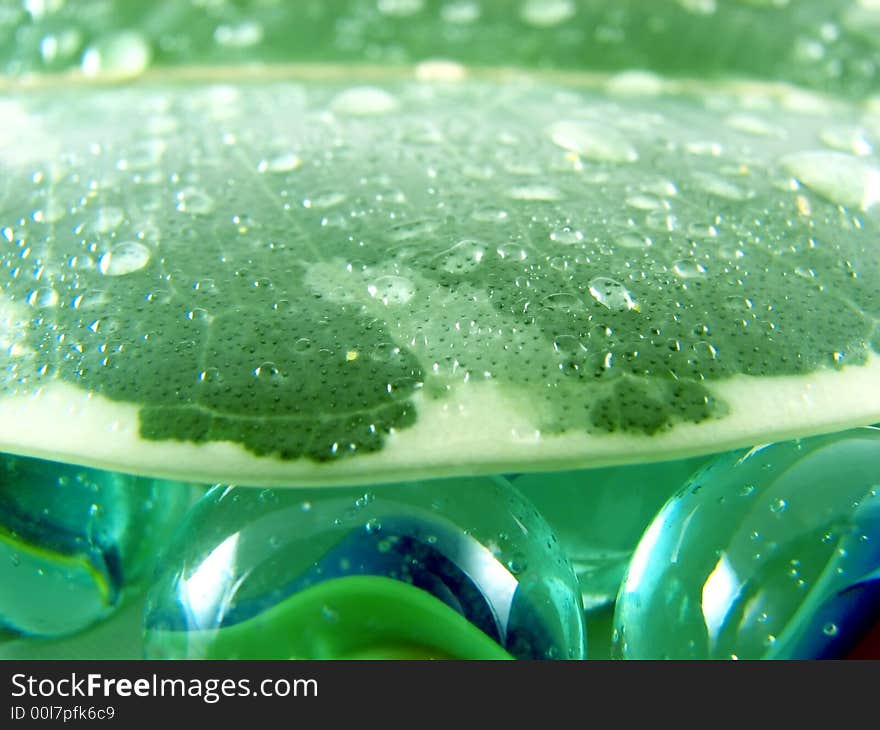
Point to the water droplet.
(544, 193)
(461, 12)
(440, 70)
(286, 162)
(124, 258)
(646, 202)
(464, 256)
(717, 185)
(373, 526)
(400, 8)
(267, 371)
(43, 298)
(242, 35)
(517, 564)
(778, 505)
(323, 200)
(593, 140)
(108, 219)
(143, 155)
(636, 83)
(688, 269)
(830, 629)
(841, 178)
(611, 294)
(567, 236)
(194, 201)
(363, 101)
(754, 125)
(392, 290)
(490, 215)
(119, 56)
(699, 7)
(547, 13)
(631, 240)
(847, 139)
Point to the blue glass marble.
(74, 541)
(770, 553)
(474, 546)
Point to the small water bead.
(786, 562)
(547, 13)
(364, 101)
(841, 178)
(593, 140)
(612, 294)
(123, 55)
(393, 571)
(75, 541)
(124, 258)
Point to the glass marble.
(463, 568)
(74, 541)
(770, 553)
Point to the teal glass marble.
(74, 541)
(771, 553)
(246, 561)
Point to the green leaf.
(333, 272)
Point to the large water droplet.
(611, 293)
(363, 101)
(124, 258)
(593, 141)
(841, 178)
(121, 55)
(194, 201)
(392, 289)
(547, 13)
